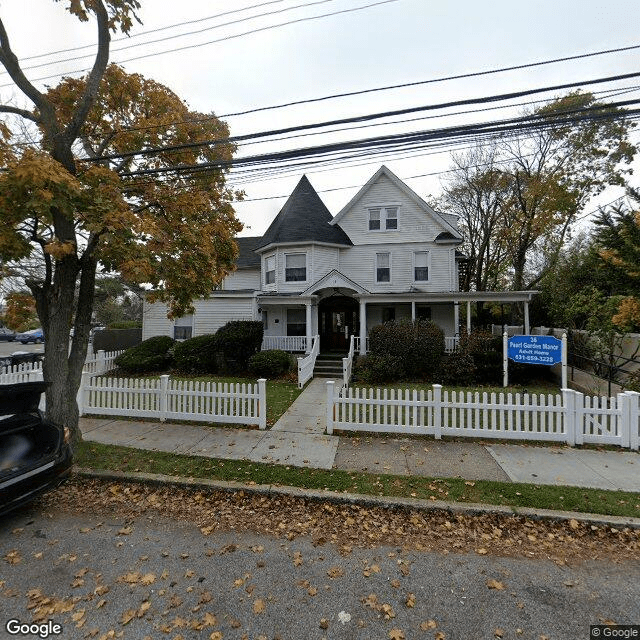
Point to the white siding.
(242, 279)
(323, 260)
(358, 263)
(155, 321)
(213, 313)
(412, 219)
(209, 315)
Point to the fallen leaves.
(495, 584)
(259, 606)
(335, 572)
(359, 526)
(427, 625)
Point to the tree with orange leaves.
(66, 209)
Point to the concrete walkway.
(298, 439)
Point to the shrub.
(125, 324)
(633, 382)
(238, 340)
(379, 368)
(198, 355)
(418, 346)
(270, 364)
(153, 354)
(486, 352)
(458, 369)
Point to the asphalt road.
(8, 348)
(149, 576)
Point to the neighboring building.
(387, 255)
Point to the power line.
(144, 33)
(522, 123)
(223, 39)
(363, 118)
(181, 35)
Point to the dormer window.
(295, 269)
(383, 218)
(270, 270)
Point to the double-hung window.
(383, 267)
(421, 266)
(270, 270)
(295, 268)
(296, 322)
(383, 218)
(183, 327)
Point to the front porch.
(335, 314)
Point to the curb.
(386, 502)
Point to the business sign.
(545, 350)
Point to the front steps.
(328, 365)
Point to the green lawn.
(619, 503)
(280, 393)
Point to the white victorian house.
(386, 255)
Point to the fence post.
(505, 359)
(81, 398)
(300, 383)
(101, 362)
(330, 406)
(569, 411)
(437, 411)
(262, 403)
(564, 355)
(624, 426)
(164, 397)
(634, 419)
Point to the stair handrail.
(307, 364)
(347, 364)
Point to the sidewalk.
(298, 439)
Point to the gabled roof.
(441, 219)
(334, 279)
(303, 218)
(247, 258)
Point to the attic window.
(383, 218)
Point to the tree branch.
(93, 81)
(10, 62)
(4, 108)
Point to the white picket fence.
(101, 362)
(347, 364)
(165, 399)
(27, 372)
(568, 417)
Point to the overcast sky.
(398, 41)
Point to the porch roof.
(450, 296)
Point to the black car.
(35, 455)
(7, 334)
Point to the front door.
(338, 318)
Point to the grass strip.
(115, 458)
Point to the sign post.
(544, 350)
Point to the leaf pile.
(348, 526)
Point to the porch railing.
(284, 343)
(450, 344)
(307, 364)
(347, 363)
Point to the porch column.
(363, 327)
(413, 310)
(456, 318)
(527, 328)
(468, 317)
(308, 326)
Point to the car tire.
(24, 341)
(38, 341)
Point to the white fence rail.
(166, 399)
(570, 417)
(284, 343)
(307, 364)
(101, 362)
(347, 364)
(27, 372)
